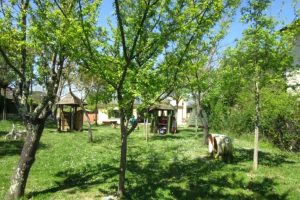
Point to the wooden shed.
(162, 116)
(70, 115)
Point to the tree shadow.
(3, 133)
(170, 136)
(14, 147)
(11, 147)
(82, 179)
(202, 178)
(264, 158)
(165, 137)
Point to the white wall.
(103, 115)
(293, 78)
(181, 117)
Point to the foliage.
(232, 104)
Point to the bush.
(279, 120)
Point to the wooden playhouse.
(70, 115)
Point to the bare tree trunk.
(59, 93)
(4, 104)
(89, 124)
(19, 180)
(204, 121)
(96, 107)
(122, 168)
(257, 113)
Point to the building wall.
(293, 78)
(181, 116)
(103, 116)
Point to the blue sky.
(282, 10)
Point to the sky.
(282, 10)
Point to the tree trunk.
(205, 125)
(122, 168)
(89, 124)
(4, 104)
(85, 113)
(257, 113)
(204, 121)
(19, 179)
(96, 108)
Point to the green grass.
(167, 167)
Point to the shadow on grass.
(10, 147)
(82, 179)
(201, 178)
(264, 158)
(14, 147)
(176, 136)
(3, 133)
(154, 175)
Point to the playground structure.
(73, 118)
(161, 118)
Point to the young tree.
(258, 63)
(254, 14)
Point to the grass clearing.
(167, 167)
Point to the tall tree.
(131, 59)
(35, 37)
(195, 55)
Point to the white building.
(108, 113)
(293, 78)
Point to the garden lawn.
(165, 167)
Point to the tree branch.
(139, 30)
(120, 24)
(9, 63)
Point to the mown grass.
(165, 167)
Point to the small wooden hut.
(162, 116)
(70, 117)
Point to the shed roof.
(162, 106)
(71, 100)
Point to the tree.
(195, 58)
(255, 16)
(131, 59)
(257, 65)
(35, 37)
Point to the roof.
(36, 96)
(70, 100)
(162, 106)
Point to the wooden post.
(72, 119)
(169, 123)
(75, 118)
(196, 124)
(146, 129)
